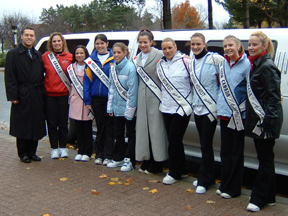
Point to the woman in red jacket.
(57, 85)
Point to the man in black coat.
(24, 74)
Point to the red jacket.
(53, 84)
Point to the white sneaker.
(225, 195)
(200, 190)
(218, 192)
(85, 158)
(64, 152)
(195, 183)
(147, 172)
(127, 166)
(78, 157)
(98, 161)
(55, 154)
(114, 164)
(168, 180)
(141, 171)
(270, 204)
(252, 207)
(106, 161)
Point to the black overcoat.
(24, 82)
(265, 80)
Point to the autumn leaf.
(145, 188)
(153, 191)
(63, 179)
(28, 168)
(62, 159)
(78, 190)
(46, 214)
(126, 183)
(103, 176)
(111, 183)
(129, 180)
(120, 183)
(114, 179)
(154, 181)
(190, 191)
(210, 202)
(94, 192)
(188, 208)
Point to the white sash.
(78, 86)
(59, 71)
(236, 119)
(256, 107)
(204, 96)
(120, 89)
(173, 92)
(97, 71)
(148, 80)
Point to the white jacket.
(177, 73)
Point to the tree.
(246, 21)
(185, 16)
(210, 14)
(167, 21)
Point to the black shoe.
(26, 159)
(35, 158)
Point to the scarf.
(254, 58)
(200, 55)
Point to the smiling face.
(118, 54)
(197, 45)
(28, 38)
(231, 49)
(80, 55)
(101, 46)
(57, 43)
(255, 46)
(169, 49)
(145, 44)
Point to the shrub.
(2, 59)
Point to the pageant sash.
(236, 118)
(173, 92)
(97, 71)
(120, 89)
(148, 80)
(204, 96)
(59, 71)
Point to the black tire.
(71, 137)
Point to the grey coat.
(150, 122)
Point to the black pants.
(121, 149)
(56, 109)
(84, 137)
(105, 128)
(232, 159)
(26, 147)
(176, 126)
(206, 130)
(264, 189)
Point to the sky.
(34, 10)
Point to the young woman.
(172, 71)
(204, 73)
(95, 93)
(264, 117)
(151, 137)
(57, 85)
(77, 109)
(231, 111)
(122, 103)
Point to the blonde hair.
(237, 41)
(200, 35)
(49, 43)
(123, 47)
(169, 40)
(265, 41)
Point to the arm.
(111, 89)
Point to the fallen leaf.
(210, 202)
(120, 183)
(95, 192)
(28, 168)
(129, 180)
(79, 190)
(153, 191)
(190, 191)
(62, 159)
(154, 181)
(103, 176)
(145, 188)
(63, 179)
(188, 208)
(111, 183)
(46, 214)
(126, 183)
(114, 179)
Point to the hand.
(282, 99)
(267, 128)
(111, 114)
(15, 101)
(88, 106)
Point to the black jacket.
(24, 82)
(265, 82)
